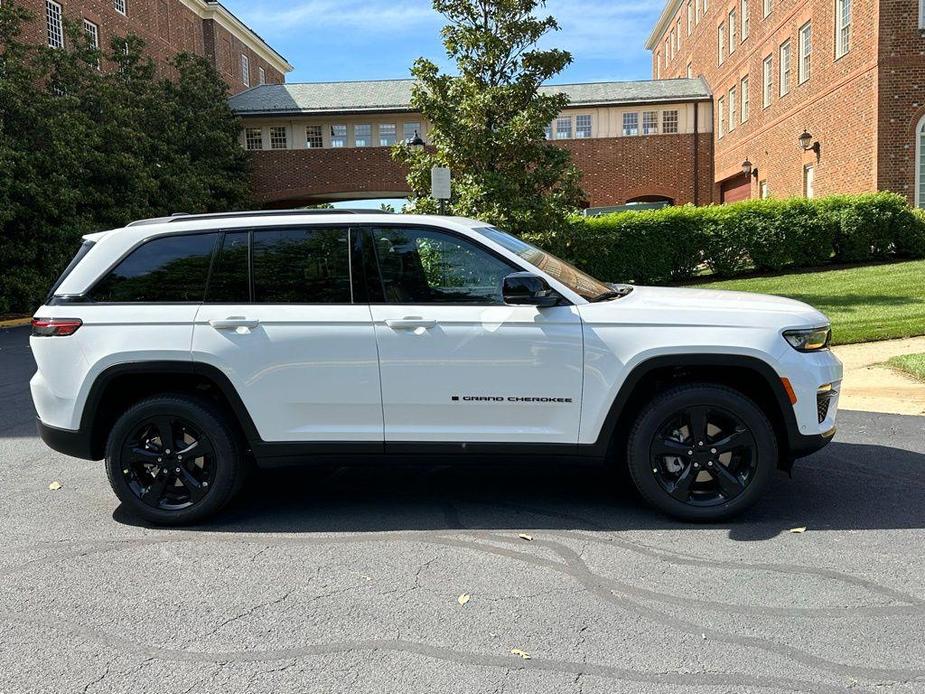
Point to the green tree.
(488, 121)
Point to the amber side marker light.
(55, 327)
(789, 388)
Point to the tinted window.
(302, 266)
(427, 266)
(168, 269)
(229, 281)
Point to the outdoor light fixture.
(807, 144)
(416, 141)
(748, 169)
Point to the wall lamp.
(748, 169)
(807, 144)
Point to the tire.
(702, 452)
(153, 480)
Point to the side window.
(426, 266)
(302, 266)
(170, 269)
(229, 282)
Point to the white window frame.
(584, 126)
(744, 17)
(743, 101)
(720, 43)
(92, 32)
(338, 135)
(384, 136)
(258, 140)
(54, 24)
(767, 6)
(919, 163)
(784, 67)
(563, 128)
(631, 119)
(763, 191)
(120, 7)
(733, 28)
(261, 75)
(809, 181)
(805, 39)
(731, 97)
(670, 122)
(767, 80)
(245, 70)
(690, 16)
(921, 14)
(678, 34)
(658, 65)
(690, 70)
(274, 130)
(843, 20)
(316, 136)
(367, 137)
(650, 122)
(721, 117)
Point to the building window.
(733, 28)
(362, 135)
(690, 70)
(920, 164)
(630, 124)
(92, 32)
(313, 138)
(766, 7)
(744, 13)
(564, 128)
(697, 11)
(547, 132)
(921, 14)
(784, 86)
(387, 135)
(650, 123)
(678, 34)
(767, 75)
(674, 43)
(339, 135)
(55, 28)
(806, 48)
(763, 190)
(704, 6)
(410, 131)
(667, 51)
(253, 138)
(732, 108)
(721, 116)
(809, 180)
(658, 66)
(261, 76)
(278, 138)
(744, 91)
(842, 27)
(669, 122)
(720, 43)
(690, 16)
(120, 6)
(583, 126)
(245, 70)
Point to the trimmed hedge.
(675, 243)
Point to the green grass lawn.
(874, 302)
(912, 364)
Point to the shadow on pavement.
(844, 487)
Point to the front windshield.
(579, 282)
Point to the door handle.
(410, 323)
(233, 322)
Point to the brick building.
(633, 141)
(848, 73)
(168, 27)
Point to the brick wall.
(614, 170)
(838, 104)
(168, 27)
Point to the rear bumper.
(73, 443)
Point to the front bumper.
(76, 444)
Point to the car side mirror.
(525, 288)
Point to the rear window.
(81, 252)
(308, 265)
(170, 269)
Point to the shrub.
(674, 243)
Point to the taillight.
(55, 327)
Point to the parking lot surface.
(355, 579)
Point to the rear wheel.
(173, 460)
(702, 452)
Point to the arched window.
(920, 163)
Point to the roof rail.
(185, 216)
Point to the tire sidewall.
(227, 457)
(662, 407)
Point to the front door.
(456, 363)
(298, 350)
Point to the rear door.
(281, 322)
(456, 363)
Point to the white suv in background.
(183, 349)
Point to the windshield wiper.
(618, 291)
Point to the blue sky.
(330, 40)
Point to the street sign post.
(440, 186)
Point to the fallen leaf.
(524, 536)
(464, 598)
(798, 530)
(55, 486)
(522, 654)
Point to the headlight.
(810, 339)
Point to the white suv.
(184, 349)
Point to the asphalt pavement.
(349, 579)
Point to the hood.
(706, 307)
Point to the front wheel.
(173, 460)
(702, 452)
